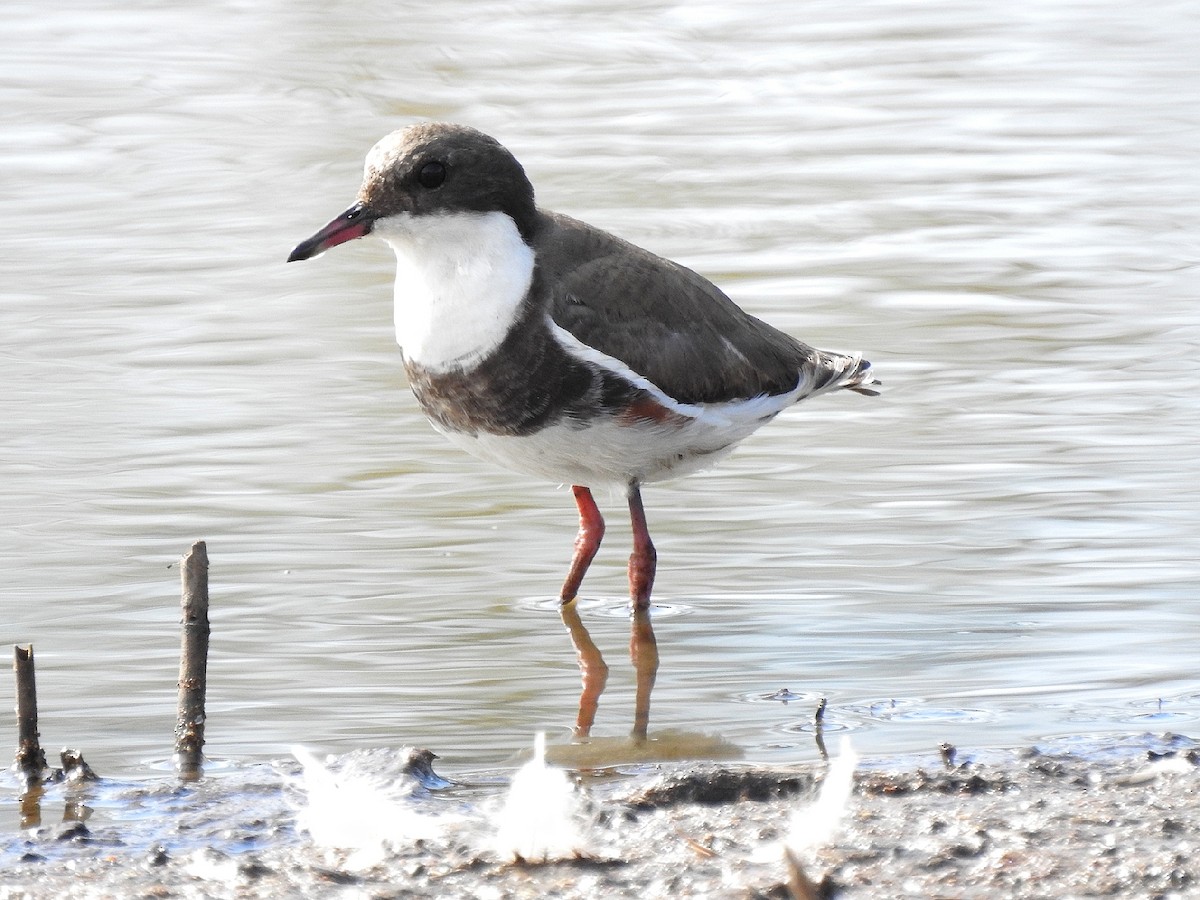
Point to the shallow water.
(998, 206)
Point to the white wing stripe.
(732, 413)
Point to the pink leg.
(643, 560)
(643, 648)
(593, 670)
(587, 542)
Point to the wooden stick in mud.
(31, 759)
(193, 662)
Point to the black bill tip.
(350, 225)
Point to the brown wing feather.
(661, 319)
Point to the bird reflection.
(593, 670)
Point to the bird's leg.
(593, 671)
(587, 542)
(643, 649)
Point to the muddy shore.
(1077, 819)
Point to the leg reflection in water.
(593, 670)
(643, 649)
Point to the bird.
(555, 349)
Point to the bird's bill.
(350, 225)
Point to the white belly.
(612, 452)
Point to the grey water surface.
(997, 203)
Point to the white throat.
(460, 280)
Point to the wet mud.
(1072, 819)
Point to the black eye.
(431, 175)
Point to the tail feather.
(861, 379)
(838, 371)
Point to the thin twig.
(31, 759)
(193, 662)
